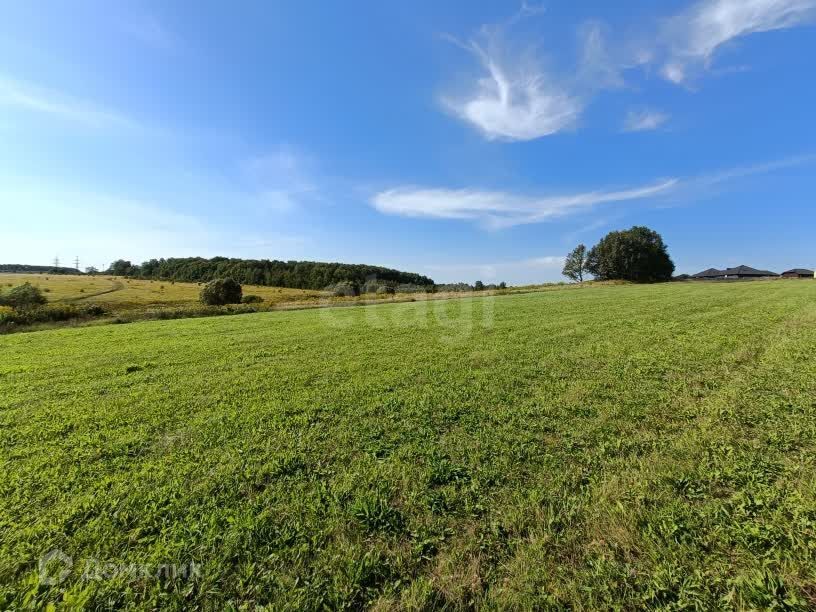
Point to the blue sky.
(463, 140)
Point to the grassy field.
(124, 294)
(129, 299)
(629, 447)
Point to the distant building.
(734, 273)
(798, 273)
(710, 274)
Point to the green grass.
(630, 447)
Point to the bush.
(346, 289)
(221, 291)
(252, 299)
(53, 313)
(370, 286)
(94, 310)
(385, 290)
(191, 312)
(23, 297)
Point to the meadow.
(125, 299)
(613, 447)
(121, 294)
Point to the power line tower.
(56, 262)
(76, 263)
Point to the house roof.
(748, 271)
(799, 271)
(738, 271)
(709, 272)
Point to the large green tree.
(638, 255)
(575, 265)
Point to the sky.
(464, 140)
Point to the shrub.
(370, 286)
(385, 289)
(252, 299)
(23, 297)
(346, 289)
(190, 312)
(51, 313)
(94, 310)
(479, 286)
(221, 291)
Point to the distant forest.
(293, 274)
(26, 269)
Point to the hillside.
(28, 269)
(292, 274)
(631, 446)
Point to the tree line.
(272, 273)
(28, 269)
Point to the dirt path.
(115, 286)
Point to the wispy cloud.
(31, 98)
(642, 121)
(150, 31)
(703, 186)
(501, 209)
(695, 35)
(283, 178)
(514, 98)
(515, 103)
(498, 209)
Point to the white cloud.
(501, 209)
(696, 35)
(31, 98)
(497, 209)
(513, 101)
(642, 121)
(515, 98)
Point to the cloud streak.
(498, 209)
(644, 121)
(31, 98)
(695, 35)
(502, 209)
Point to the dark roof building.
(710, 273)
(798, 273)
(738, 272)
